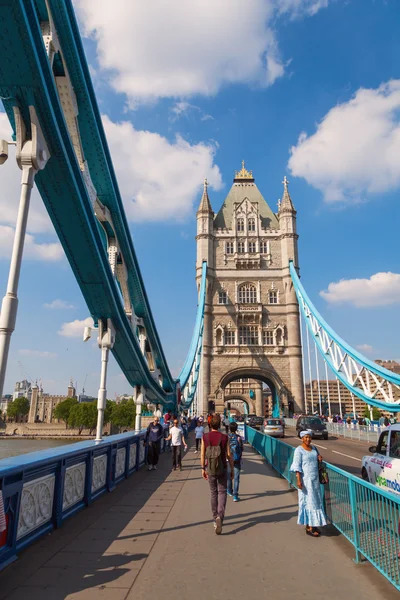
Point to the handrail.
(364, 513)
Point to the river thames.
(16, 446)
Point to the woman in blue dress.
(305, 464)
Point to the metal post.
(309, 370)
(340, 398)
(105, 341)
(139, 400)
(319, 386)
(32, 156)
(302, 365)
(102, 396)
(328, 390)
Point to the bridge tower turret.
(289, 251)
(205, 252)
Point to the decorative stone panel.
(120, 462)
(36, 504)
(132, 456)
(99, 472)
(142, 452)
(74, 485)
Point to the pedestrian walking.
(184, 425)
(236, 449)
(226, 423)
(215, 452)
(177, 438)
(305, 464)
(154, 435)
(199, 432)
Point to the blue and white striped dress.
(311, 510)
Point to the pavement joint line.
(347, 455)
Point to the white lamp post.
(32, 156)
(105, 341)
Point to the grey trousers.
(218, 494)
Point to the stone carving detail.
(36, 504)
(99, 472)
(120, 462)
(142, 452)
(74, 484)
(132, 456)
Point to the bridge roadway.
(343, 452)
(153, 538)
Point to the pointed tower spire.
(286, 202)
(205, 204)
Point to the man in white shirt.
(177, 440)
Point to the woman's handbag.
(323, 474)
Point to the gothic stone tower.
(251, 324)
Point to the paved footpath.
(153, 538)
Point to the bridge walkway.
(153, 538)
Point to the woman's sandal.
(313, 532)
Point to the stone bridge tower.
(251, 325)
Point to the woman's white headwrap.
(303, 433)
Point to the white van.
(383, 467)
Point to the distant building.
(5, 401)
(43, 405)
(85, 398)
(391, 365)
(23, 389)
(123, 398)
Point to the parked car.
(383, 467)
(255, 422)
(274, 428)
(314, 424)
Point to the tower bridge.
(254, 319)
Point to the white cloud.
(183, 109)
(32, 249)
(179, 48)
(74, 329)
(355, 150)
(158, 179)
(39, 353)
(381, 289)
(59, 304)
(298, 8)
(365, 349)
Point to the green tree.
(376, 413)
(123, 415)
(18, 408)
(63, 409)
(84, 416)
(110, 405)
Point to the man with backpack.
(236, 447)
(215, 451)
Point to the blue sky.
(306, 88)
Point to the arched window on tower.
(247, 294)
(279, 336)
(252, 225)
(240, 225)
(273, 297)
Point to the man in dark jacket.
(154, 435)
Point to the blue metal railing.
(366, 515)
(42, 489)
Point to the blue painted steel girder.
(26, 79)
